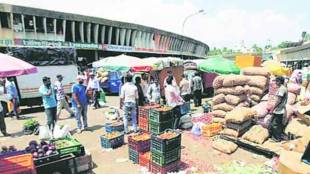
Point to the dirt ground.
(196, 151)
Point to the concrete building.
(91, 36)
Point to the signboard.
(117, 48)
(6, 43)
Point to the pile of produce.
(30, 126)
(111, 135)
(40, 150)
(168, 135)
(141, 137)
(5, 149)
(102, 75)
(163, 109)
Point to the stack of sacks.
(102, 75)
(258, 81)
(293, 91)
(229, 93)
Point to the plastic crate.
(111, 127)
(144, 159)
(185, 108)
(73, 146)
(172, 167)
(112, 143)
(164, 158)
(133, 156)
(139, 146)
(46, 159)
(158, 128)
(9, 154)
(239, 126)
(161, 116)
(17, 164)
(144, 124)
(212, 129)
(145, 110)
(163, 145)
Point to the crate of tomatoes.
(144, 111)
(144, 159)
(162, 114)
(112, 140)
(140, 142)
(167, 141)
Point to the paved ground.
(195, 152)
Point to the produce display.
(5, 149)
(168, 135)
(30, 123)
(163, 109)
(42, 149)
(141, 137)
(111, 135)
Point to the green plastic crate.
(164, 145)
(161, 116)
(72, 146)
(164, 158)
(158, 128)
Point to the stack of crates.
(161, 119)
(138, 144)
(22, 163)
(143, 116)
(165, 152)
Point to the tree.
(258, 50)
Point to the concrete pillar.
(44, 26)
(138, 39)
(157, 41)
(122, 36)
(174, 44)
(82, 31)
(55, 27)
(64, 29)
(34, 26)
(152, 42)
(128, 37)
(73, 31)
(23, 24)
(88, 32)
(96, 31)
(117, 37)
(96, 55)
(11, 21)
(102, 33)
(133, 38)
(148, 40)
(110, 35)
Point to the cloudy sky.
(225, 23)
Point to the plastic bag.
(196, 129)
(44, 132)
(61, 132)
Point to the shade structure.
(122, 63)
(11, 66)
(219, 65)
(276, 68)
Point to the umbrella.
(11, 66)
(219, 65)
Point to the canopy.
(11, 66)
(276, 68)
(122, 63)
(219, 65)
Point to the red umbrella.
(11, 66)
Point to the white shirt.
(1, 92)
(129, 92)
(172, 96)
(185, 87)
(60, 92)
(93, 84)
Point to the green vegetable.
(30, 123)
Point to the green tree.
(258, 50)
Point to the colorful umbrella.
(219, 65)
(11, 66)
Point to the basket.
(46, 159)
(139, 146)
(112, 143)
(17, 164)
(145, 110)
(158, 128)
(173, 167)
(239, 126)
(161, 116)
(144, 124)
(185, 108)
(73, 146)
(133, 156)
(211, 129)
(163, 145)
(110, 127)
(164, 158)
(144, 159)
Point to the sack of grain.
(256, 71)
(218, 120)
(229, 132)
(235, 80)
(291, 98)
(236, 90)
(256, 91)
(294, 88)
(289, 114)
(255, 98)
(218, 113)
(224, 146)
(224, 107)
(261, 110)
(257, 134)
(295, 145)
(244, 104)
(218, 82)
(258, 81)
(296, 127)
(240, 114)
(220, 98)
(271, 102)
(234, 100)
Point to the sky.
(225, 23)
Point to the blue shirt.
(80, 91)
(48, 101)
(11, 90)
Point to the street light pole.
(189, 16)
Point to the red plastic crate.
(17, 164)
(140, 146)
(144, 124)
(144, 159)
(172, 167)
(143, 111)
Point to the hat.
(80, 77)
(44, 79)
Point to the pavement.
(196, 151)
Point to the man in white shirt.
(94, 86)
(2, 122)
(129, 94)
(60, 97)
(185, 88)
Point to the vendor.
(2, 122)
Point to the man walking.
(80, 103)
(2, 122)
(94, 86)
(49, 102)
(197, 88)
(61, 98)
(185, 88)
(129, 94)
(12, 95)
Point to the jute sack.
(218, 82)
(219, 113)
(234, 100)
(256, 91)
(235, 80)
(224, 107)
(255, 98)
(236, 90)
(256, 71)
(229, 132)
(240, 114)
(244, 104)
(291, 98)
(218, 120)
(257, 134)
(220, 98)
(261, 110)
(296, 127)
(258, 81)
(224, 146)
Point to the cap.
(80, 77)
(44, 79)
(59, 75)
